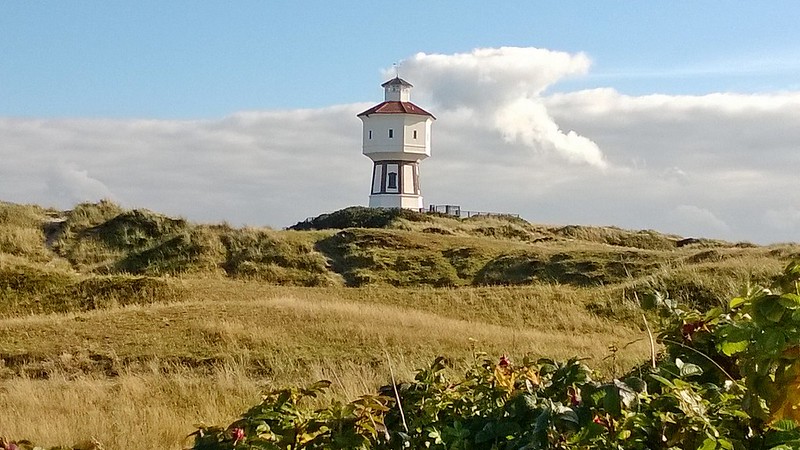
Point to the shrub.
(360, 217)
(525, 268)
(379, 256)
(505, 232)
(426, 269)
(22, 231)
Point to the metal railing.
(456, 211)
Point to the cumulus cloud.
(502, 88)
(720, 165)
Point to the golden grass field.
(127, 329)
(148, 374)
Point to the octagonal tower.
(396, 137)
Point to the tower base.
(406, 201)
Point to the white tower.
(397, 136)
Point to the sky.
(683, 117)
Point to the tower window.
(392, 182)
(415, 134)
(391, 133)
(370, 134)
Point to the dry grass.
(206, 332)
(147, 374)
(134, 410)
(310, 329)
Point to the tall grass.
(135, 410)
(146, 374)
(22, 232)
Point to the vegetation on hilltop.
(360, 217)
(47, 254)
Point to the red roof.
(396, 108)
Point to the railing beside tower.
(456, 211)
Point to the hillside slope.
(100, 253)
(122, 313)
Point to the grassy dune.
(148, 374)
(131, 327)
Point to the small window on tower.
(391, 133)
(415, 134)
(392, 182)
(370, 134)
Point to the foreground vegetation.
(140, 326)
(729, 379)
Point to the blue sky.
(183, 59)
(679, 116)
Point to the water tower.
(397, 136)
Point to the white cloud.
(719, 165)
(272, 167)
(502, 89)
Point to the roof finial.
(396, 66)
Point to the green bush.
(425, 269)
(467, 261)
(22, 280)
(22, 231)
(360, 217)
(526, 268)
(505, 232)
